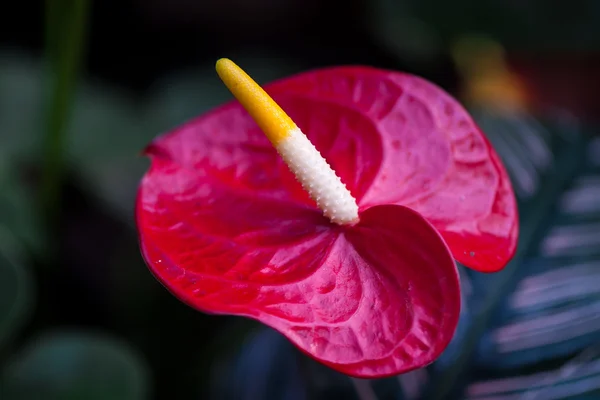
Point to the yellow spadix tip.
(304, 160)
(271, 119)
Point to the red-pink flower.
(225, 226)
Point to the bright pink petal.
(226, 145)
(407, 309)
(224, 225)
(208, 232)
(376, 299)
(434, 158)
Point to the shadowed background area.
(85, 85)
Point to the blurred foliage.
(71, 365)
(20, 106)
(16, 288)
(277, 374)
(16, 206)
(424, 29)
(66, 21)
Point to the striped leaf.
(530, 329)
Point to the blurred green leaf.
(106, 137)
(20, 104)
(72, 365)
(66, 22)
(19, 234)
(16, 288)
(17, 209)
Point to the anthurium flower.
(352, 258)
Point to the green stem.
(65, 36)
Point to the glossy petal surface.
(369, 300)
(224, 225)
(418, 147)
